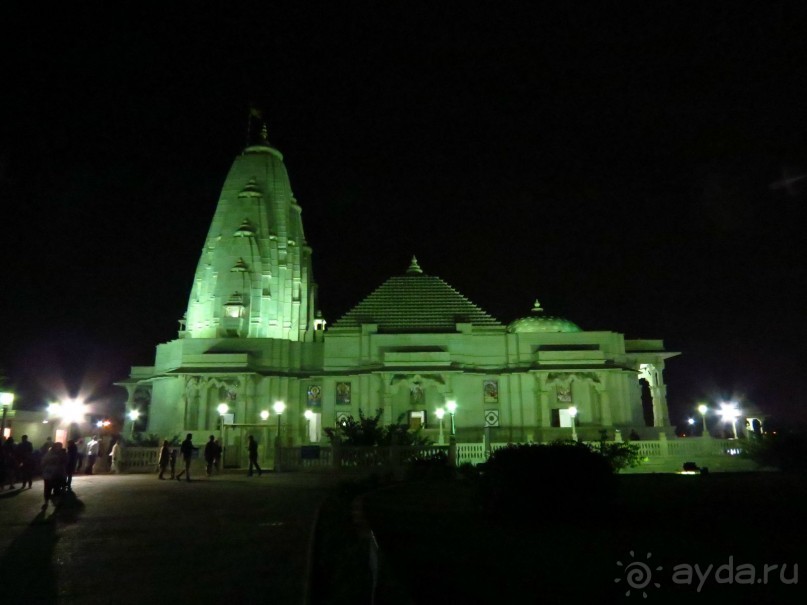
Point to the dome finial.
(414, 267)
(536, 307)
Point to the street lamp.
(451, 406)
(133, 416)
(702, 408)
(308, 416)
(6, 399)
(573, 415)
(730, 413)
(265, 415)
(440, 412)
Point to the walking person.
(164, 459)
(53, 471)
(116, 455)
(72, 464)
(252, 447)
(25, 461)
(186, 449)
(210, 455)
(93, 445)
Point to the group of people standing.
(55, 462)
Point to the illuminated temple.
(253, 335)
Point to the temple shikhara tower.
(252, 335)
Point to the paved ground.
(133, 539)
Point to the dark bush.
(434, 466)
(566, 480)
(786, 451)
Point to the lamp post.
(440, 412)
(6, 399)
(451, 406)
(133, 416)
(279, 407)
(730, 413)
(573, 415)
(222, 409)
(702, 408)
(308, 416)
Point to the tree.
(368, 431)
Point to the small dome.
(536, 321)
(240, 266)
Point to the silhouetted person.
(173, 462)
(186, 449)
(252, 447)
(634, 436)
(53, 471)
(217, 461)
(25, 460)
(81, 445)
(71, 465)
(210, 455)
(46, 446)
(164, 459)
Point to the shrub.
(434, 466)
(786, 451)
(562, 479)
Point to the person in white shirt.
(115, 454)
(92, 453)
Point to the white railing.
(346, 458)
(140, 459)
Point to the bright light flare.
(729, 412)
(439, 412)
(279, 407)
(265, 415)
(308, 414)
(134, 415)
(222, 409)
(573, 411)
(451, 406)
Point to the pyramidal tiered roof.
(416, 302)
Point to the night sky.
(639, 169)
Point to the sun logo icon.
(638, 575)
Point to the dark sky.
(636, 169)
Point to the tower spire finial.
(413, 266)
